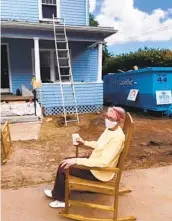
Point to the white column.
(52, 66)
(58, 9)
(37, 59)
(100, 54)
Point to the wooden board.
(5, 143)
(15, 98)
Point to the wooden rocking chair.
(110, 188)
(5, 143)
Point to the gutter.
(107, 31)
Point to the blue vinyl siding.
(20, 10)
(92, 94)
(74, 11)
(84, 62)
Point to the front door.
(5, 86)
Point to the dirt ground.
(34, 162)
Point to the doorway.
(5, 76)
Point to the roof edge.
(49, 27)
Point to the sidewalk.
(151, 199)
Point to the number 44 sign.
(132, 95)
(163, 97)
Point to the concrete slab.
(25, 131)
(19, 119)
(151, 199)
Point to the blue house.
(28, 49)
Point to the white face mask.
(110, 124)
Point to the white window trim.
(40, 10)
(87, 12)
(9, 69)
(52, 63)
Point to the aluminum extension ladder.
(64, 70)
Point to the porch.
(31, 52)
(37, 57)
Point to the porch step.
(19, 119)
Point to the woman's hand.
(79, 140)
(68, 162)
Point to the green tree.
(106, 53)
(93, 22)
(142, 58)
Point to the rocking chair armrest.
(105, 169)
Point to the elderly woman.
(106, 152)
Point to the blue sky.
(148, 21)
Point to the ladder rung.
(64, 66)
(61, 25)
(68, 94)
(58, 38)
(63, 75)
(62, 58)
(62, 49)
(60, 34)
(61, 41)
(68, 84)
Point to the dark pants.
(58, 191)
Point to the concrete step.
(19, 119)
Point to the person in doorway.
(106, 152)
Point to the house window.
(49, 8)
(49, 67)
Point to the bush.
(141, 58)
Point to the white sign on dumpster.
(132, 95)
(163, 97)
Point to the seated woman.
(106, 152)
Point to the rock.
(154, 143)
(142, 157)
(143, 144)
(98, 112)
(48, 119)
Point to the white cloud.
(133, 24)
(92, 4)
